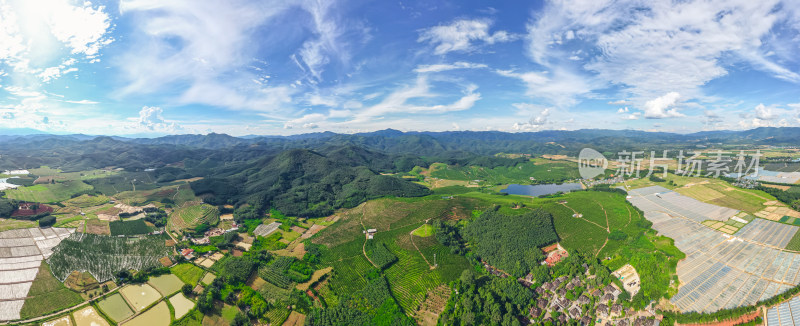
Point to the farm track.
(364, 246)
(411, 234)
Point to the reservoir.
(538, 190)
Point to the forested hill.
(303, 183)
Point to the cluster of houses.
(213, 232)
(599, 305)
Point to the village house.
(602, 310)
(535, 312)
(597, 293)
(575, 312)
(583, 299)
(586, 321)
(623, 322)
(616, 309)
(542, 303)
(187, 253)
(607, 297)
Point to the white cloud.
(764, 112)
(206, 45)
(620, 102)
(460, 35)
(329, 43)
(151, 118)
(651, 48)
(83, 102)
(539, 117)
(663, 107)
(559, 87)
(623, 110)
(398, 101)
(448, 66)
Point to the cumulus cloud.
(537, 120)
(150, 118)
(461, 35)
(663, 107)
(764, 112)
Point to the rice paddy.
(88, 317)
(115, 307)
(188, 273)
(158, 315)
(139, 296)
(181, 304)
(166, 284)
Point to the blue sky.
(152, 67)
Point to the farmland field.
(129, 227)
(103, 256)
(48, 193)
(158, 315)
(139, 296)
(181, 304)
(166, 284)
(193, 215)
(426, 230)
(208, 278)
(88, 317)
(115, 307)
(47, 295)
(188, 273)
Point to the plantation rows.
(380, 255)
(103, 256)
(275, 277)
(191, 216)
(411, 278)
(349, 274)
(275, 273)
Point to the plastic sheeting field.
(21, 254)
(768, 232)
(784, 314)
(720, 271)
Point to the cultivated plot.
(139, 296)
(181, 304)
(21, 254)
(156, 316)
(88, 317)
(115, 307)
(720, 271)
(166, 284)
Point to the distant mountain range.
(421, 142)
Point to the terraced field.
(193, 215)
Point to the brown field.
(96, 226)
(297, 250)
(434, 303)
(81, 281)
(784, 188)
(295, 319)
(317, 275)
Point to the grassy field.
(47, 295)
(48, 193)
(721, 193)
(193, 215)
(188, 273)
(12, 224)
(131, 227)
(541, 170)
(426, 230)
